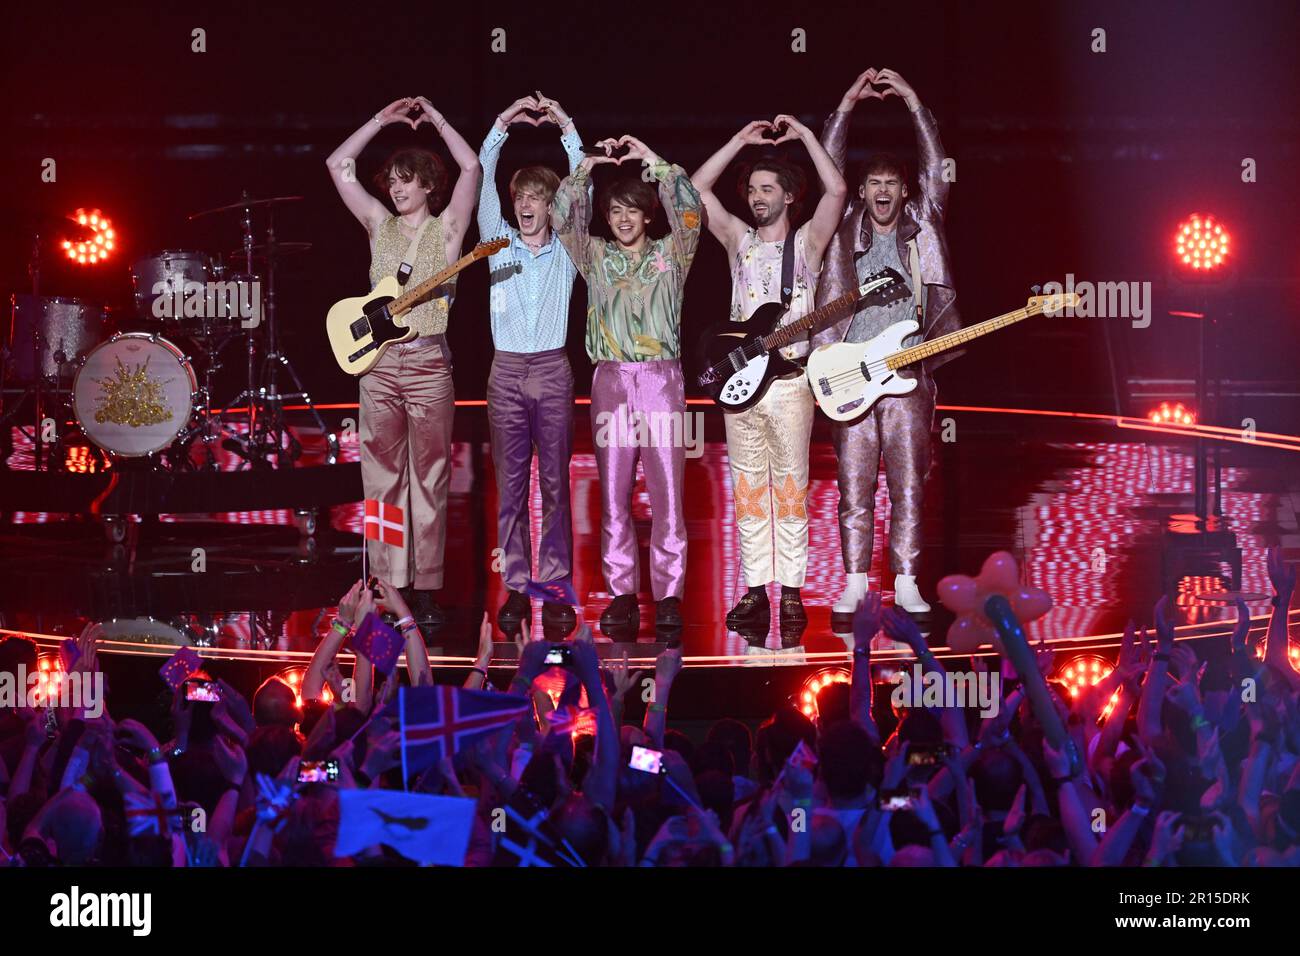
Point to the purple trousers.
(638, 412)
(896, 429)
(530, 405)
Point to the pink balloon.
(999, 575)
(1030, 604)
(968, 632)
(957, 593)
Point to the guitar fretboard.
(408, 300)
(788, 333)
(945, 342)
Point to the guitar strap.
(787, 270)
(914, 261)
(787, 282)
(408, 261)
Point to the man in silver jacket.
(885, 225)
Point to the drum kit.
(142, 388)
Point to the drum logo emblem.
(132, 398)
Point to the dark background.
(1067, 160)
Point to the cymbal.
(244, 204)
(267, 250)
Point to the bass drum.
(134, 394)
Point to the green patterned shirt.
(634, 301)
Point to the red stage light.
(293, 677)
(1200, 244)
(95, 249)
(807, 697)
(49, 678)
(1175, 414)
(1084, 671)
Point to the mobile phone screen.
(202, 690)
(646, 760)
(318, 771)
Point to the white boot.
(907, 596)
(853, 594)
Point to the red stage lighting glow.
(1083, 671)
(1200, 244)
(807, 701)
(95, 249)
(293, 677)
(1175, 414)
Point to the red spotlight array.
(1083, 671)
(1175, 414)
(293, 677)
(99, 246)
(1201, 244)
(49, 678)
(823, 678)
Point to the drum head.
(134, 394)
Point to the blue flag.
(558, 592)
(420, 826)
(378, 642)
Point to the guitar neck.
(953, 339)
(408, 300)
(813, 321)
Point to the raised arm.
(1157, 682)
(934, 188)
(866, 624)
(353, 606)
(835, 132)
(725, 227)
(1282, 577)
(342, 163)
(826, 217)
(682, 204)
(600, 784)
(667, 666)
(460, 208)
(490, 220)
(569, 138)
(571, 212)
(900, 627)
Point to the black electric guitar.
(739, 359)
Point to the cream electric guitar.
(847, 378)
(361, 329)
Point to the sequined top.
(430, 316)
(756, 279)
(634, 309)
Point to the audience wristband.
(405, 622)
(1140, 809)
(341, 627)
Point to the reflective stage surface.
(1082, 504)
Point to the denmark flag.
(384, 522)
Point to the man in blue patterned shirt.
(530, 388)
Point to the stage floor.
(1080, 502)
